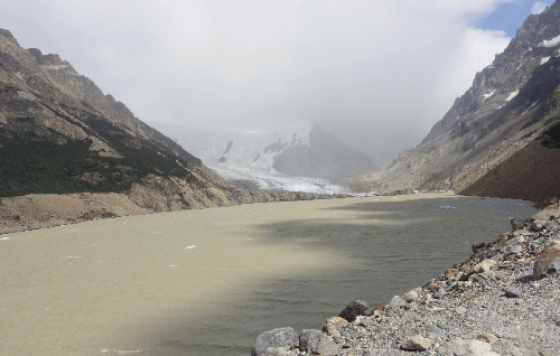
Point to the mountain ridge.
(510, 103)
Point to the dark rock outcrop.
(353, 310)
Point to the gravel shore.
(504, 300)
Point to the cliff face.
(510, 103)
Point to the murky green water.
(129, 285)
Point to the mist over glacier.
(376, 75)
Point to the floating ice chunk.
(553, 42)
(190, 247)
(512, 95)
(544, 60)
(4, 238)
(447, 207)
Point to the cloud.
(376, 74)
(539, 7)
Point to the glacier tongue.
(295, 184)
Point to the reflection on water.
(129, 286)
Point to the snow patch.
(532, 106)
(544, 60)
(512, 95)
(553, 42)
(489, 94)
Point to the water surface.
(129, 285)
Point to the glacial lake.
(208, 282)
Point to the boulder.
(551, 226)
(309, 339)
(273, 339)
(478, 248)
(512, 292)
(433, 287)
(484, 266)
(327, 347)
(397, 303)
(513, 249)
(520, 223)
(546, 259)
(537, 225)
(356, 308)
(416, 343)
(367, 322)
(440, 294)
(335, 323)
(411, 296)
(517, 239)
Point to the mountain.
(69, 153)
(60, 134)
(509, 105)
(303, 150)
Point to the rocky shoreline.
(504, 300)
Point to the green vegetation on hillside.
(33, 164)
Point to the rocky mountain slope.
(300, 151)
(69, 153)
(59, 134)
(511, 103)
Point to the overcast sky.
(376, 73)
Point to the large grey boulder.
(356, 308)
(316, 342)
(277, 339)
(309, 339)
(397, 303)
(327, 347)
